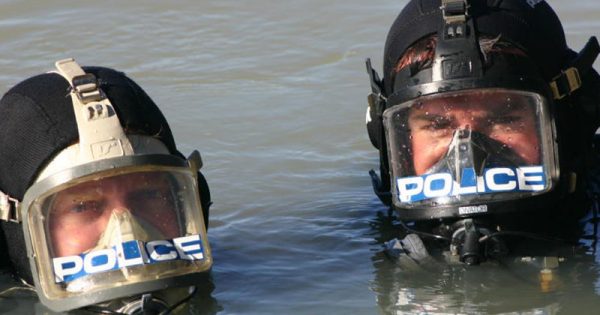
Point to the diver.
(99, 211)
(484, 120)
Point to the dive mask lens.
(474, 151)
(117, 233)
(472, 146)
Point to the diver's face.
(81, 213)
(499, 117)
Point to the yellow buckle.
(573, 79)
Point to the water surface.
(273, 94)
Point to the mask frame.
(457, 204)
(104, 294)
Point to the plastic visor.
(470, 147)
(115, 228)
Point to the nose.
(116, 198)
(120, 209)
(118, 204)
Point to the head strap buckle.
(101, 135)
(458, 54)
(454, 11)
(569, 80)
(9, 208)
(84, 85)
(565, 83)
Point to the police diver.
(99, 210)
(484, 121)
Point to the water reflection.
(514, 285)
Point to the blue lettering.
(189, 247)
(469, 178)
(500, 179)
(493, 180)
(468, 183)
(130, 253)
(161, 250)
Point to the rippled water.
(273, 94)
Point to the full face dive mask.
(466, 148)
(114, 217)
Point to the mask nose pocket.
(471, 150)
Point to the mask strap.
(377, 104)
(569, 80)
(100, 133)
(9, 208)
(457, 52)
(195, 162)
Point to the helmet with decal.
(482, 111)
(96, 204)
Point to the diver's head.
(99, 209)
(479, 113)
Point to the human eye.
(77, 212)
(505, 120)
(84, 206)
(438, 126)
(150, 193)
(149, 197)
(440, 123)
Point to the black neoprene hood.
(38, 122)
(531, 25)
